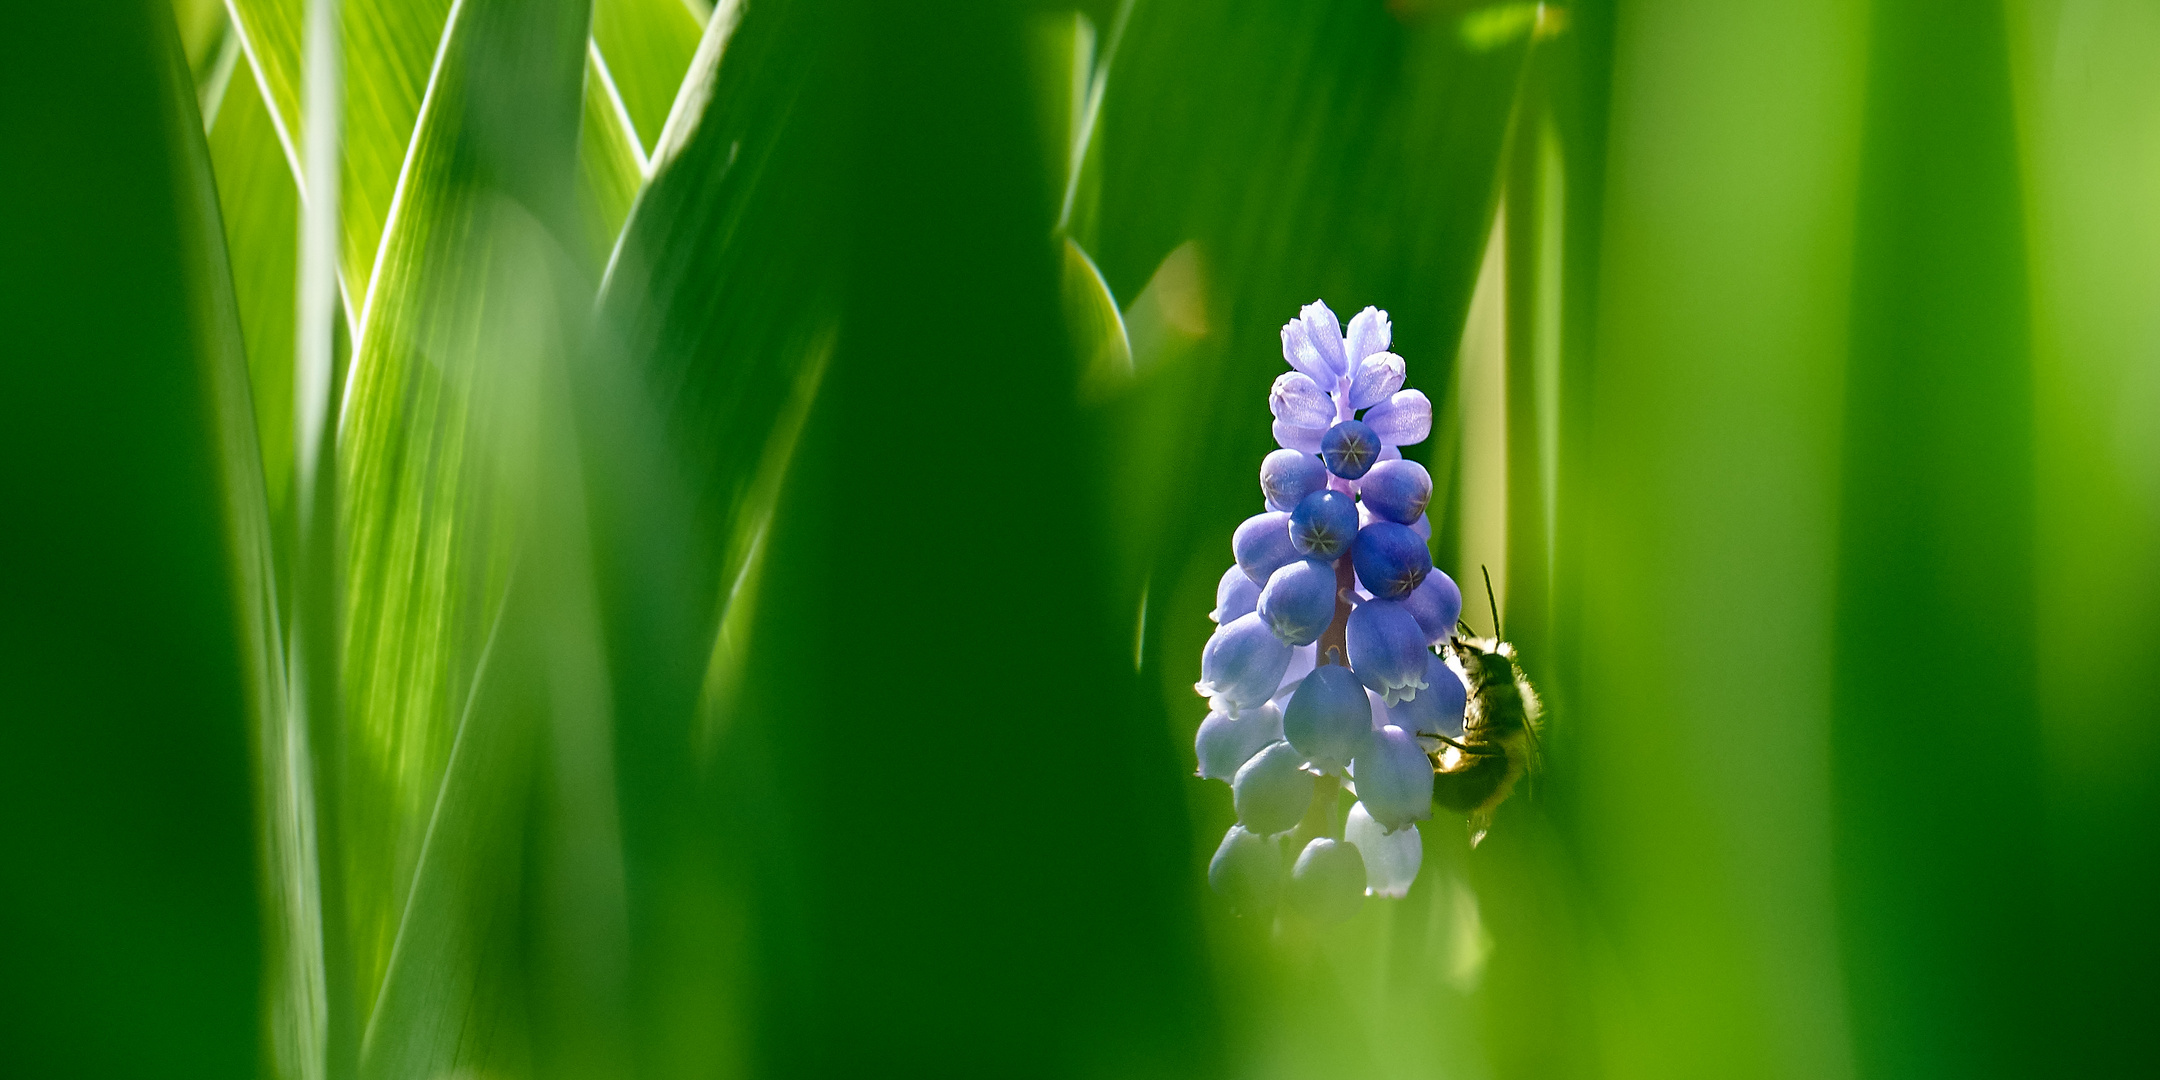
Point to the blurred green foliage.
(784, 452)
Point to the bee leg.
(1466, 748)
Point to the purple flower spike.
(1302, 678)
(1387, 650)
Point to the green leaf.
(471, 764)
(139, 644)
(261, 210)
(2090, 153)
(647, 46)
(391, 51)
(611, 166)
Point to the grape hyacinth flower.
(1322, 672)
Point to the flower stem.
(1334, 641)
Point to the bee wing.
(1533, 722)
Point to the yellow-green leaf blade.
(648, 45)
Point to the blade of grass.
(611, 164)
(2090, 149)
(389, 50)
(139, 646)
(448, 438)
(648, 45)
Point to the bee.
(1499, 746)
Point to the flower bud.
(1225, 743)
(1404, 419)
(1394, 778)
(1369, 333)
(1286, 476)
(1272, 790)
(1390, 559)
(1391, 859)
(1387, 650)
(1397, 490)
(1296, 399)
(1247, 871)
(1262, 545)
(1299, 601)
(1436, 603)
(1327, 883)
(1242, 664)
(1329, 718)
(1349, 448)
(1438, 708)
(1235, 595)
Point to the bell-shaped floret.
(1368, 334)
(1298, 351)
(1387, 651)
(1225, 743)
(1327, 883)
(1235, 595)
(1286, 476)
(1397, 490)
(1405, 418)
(1301, 439)
(1391, 859)
(1390, 559)
(1349, 449)
(1299, 601)
(1394, 778)
(1325, 333)
(1262, 545)
(1297, 399)
(1438, 708)
(1272, 790)
(1329, 718)
(1436, 603)
(1247, 871)
(1375, 379)
(1302, 660)
(1324, 524)
(1242, 664)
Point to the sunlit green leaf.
(452, 437)
(611, 167)
(647, 46)
(262, 218)
(391, 52)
